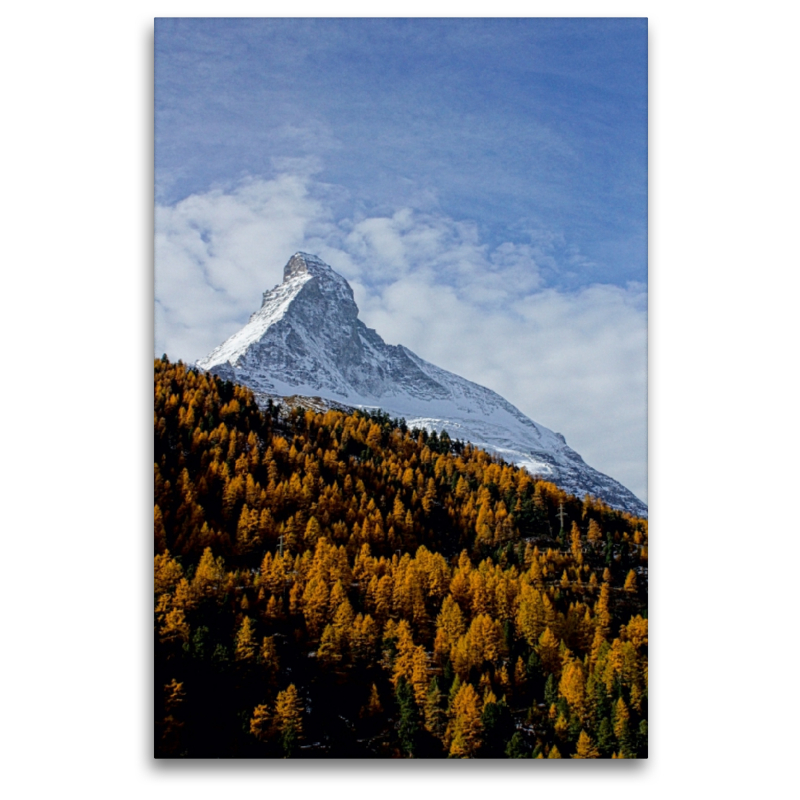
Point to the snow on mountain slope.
(306, 339)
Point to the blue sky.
(481, 183)
(524, 126)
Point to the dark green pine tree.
(641, 739)
(551, 690)
(498, 728)
(535, 674)
(516, 747)
(408, 724)
(605, 738)
(609, 550)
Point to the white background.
(77, 330)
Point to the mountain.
(307, 340)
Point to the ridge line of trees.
(331, 584)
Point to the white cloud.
(574, 361)
(215, 254)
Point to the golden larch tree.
(260, 723)
(289, 711)
(246, 645)
(585, 748)
(572, 688)
(464, 731)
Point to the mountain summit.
(307, 339)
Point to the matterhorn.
(307, 341)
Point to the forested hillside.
(332, 585)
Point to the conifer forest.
(337, 585)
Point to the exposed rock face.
(307, 339)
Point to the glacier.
(307, 340)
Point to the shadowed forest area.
(336, 585)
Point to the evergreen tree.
(408, 724)
(550, 690)
(605, 737)
(497, 727)
(516, 747)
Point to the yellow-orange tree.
(343, 553)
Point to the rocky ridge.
(307, 340)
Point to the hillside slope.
(307, 339)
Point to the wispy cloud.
(572, 360)
(498, 121)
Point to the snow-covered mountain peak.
(306, 263)
(304, 267)
(307, 340)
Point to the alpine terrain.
(307, 340)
